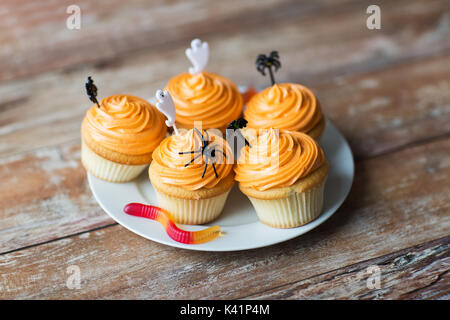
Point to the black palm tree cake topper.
(91, 91)
(207, 150)
(272, 61)
(237, 125)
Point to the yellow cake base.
(192, 211)
(191, 206)
(108, 170)
(317, 131)
(292, 211)
(291, 206)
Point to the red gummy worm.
(163, 217)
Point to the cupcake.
(203, 96)
(286, 106)
(119, 135)
(283, 174)
(192, 175)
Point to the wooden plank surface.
(420, 272)
(375, 105)
(46, 110)
(37, 35)
(385, 212)
(387, 90)
(389, 108)
(392, 108)
(50, 198)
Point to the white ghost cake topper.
(198, 54)
(166, 106)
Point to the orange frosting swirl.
(278, 160)
(206, 97)
(171, 166)
(125, 124)
(287, 106)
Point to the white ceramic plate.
(238, 221)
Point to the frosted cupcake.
(119, 135)
(203, 96)
(191, 176)
(283, 174)
(286, 106)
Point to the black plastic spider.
(91, 90)
(237, 125)
(208, 150)
(262, 62)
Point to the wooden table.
(387, 90)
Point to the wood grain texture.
(382, 111)
(420, 272)
(116, 28)
(377, 112)
(46, 109)
(398, 201)
(44, 196)
(35, 38)
(387, 90)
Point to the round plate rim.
(289, 233)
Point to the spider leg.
(214, 167)
(188, 152)
(245, 140)
(199, 133)
(197, 156)
(201, 137)
(206, 165)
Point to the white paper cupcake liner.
(293, 211)
(187, 211)
(108, 170)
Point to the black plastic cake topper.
(237, 125)
(262, 62)
(207, 150)
(91, 91)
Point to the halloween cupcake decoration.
(287, 106)
(204, 96)
(119, 134)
